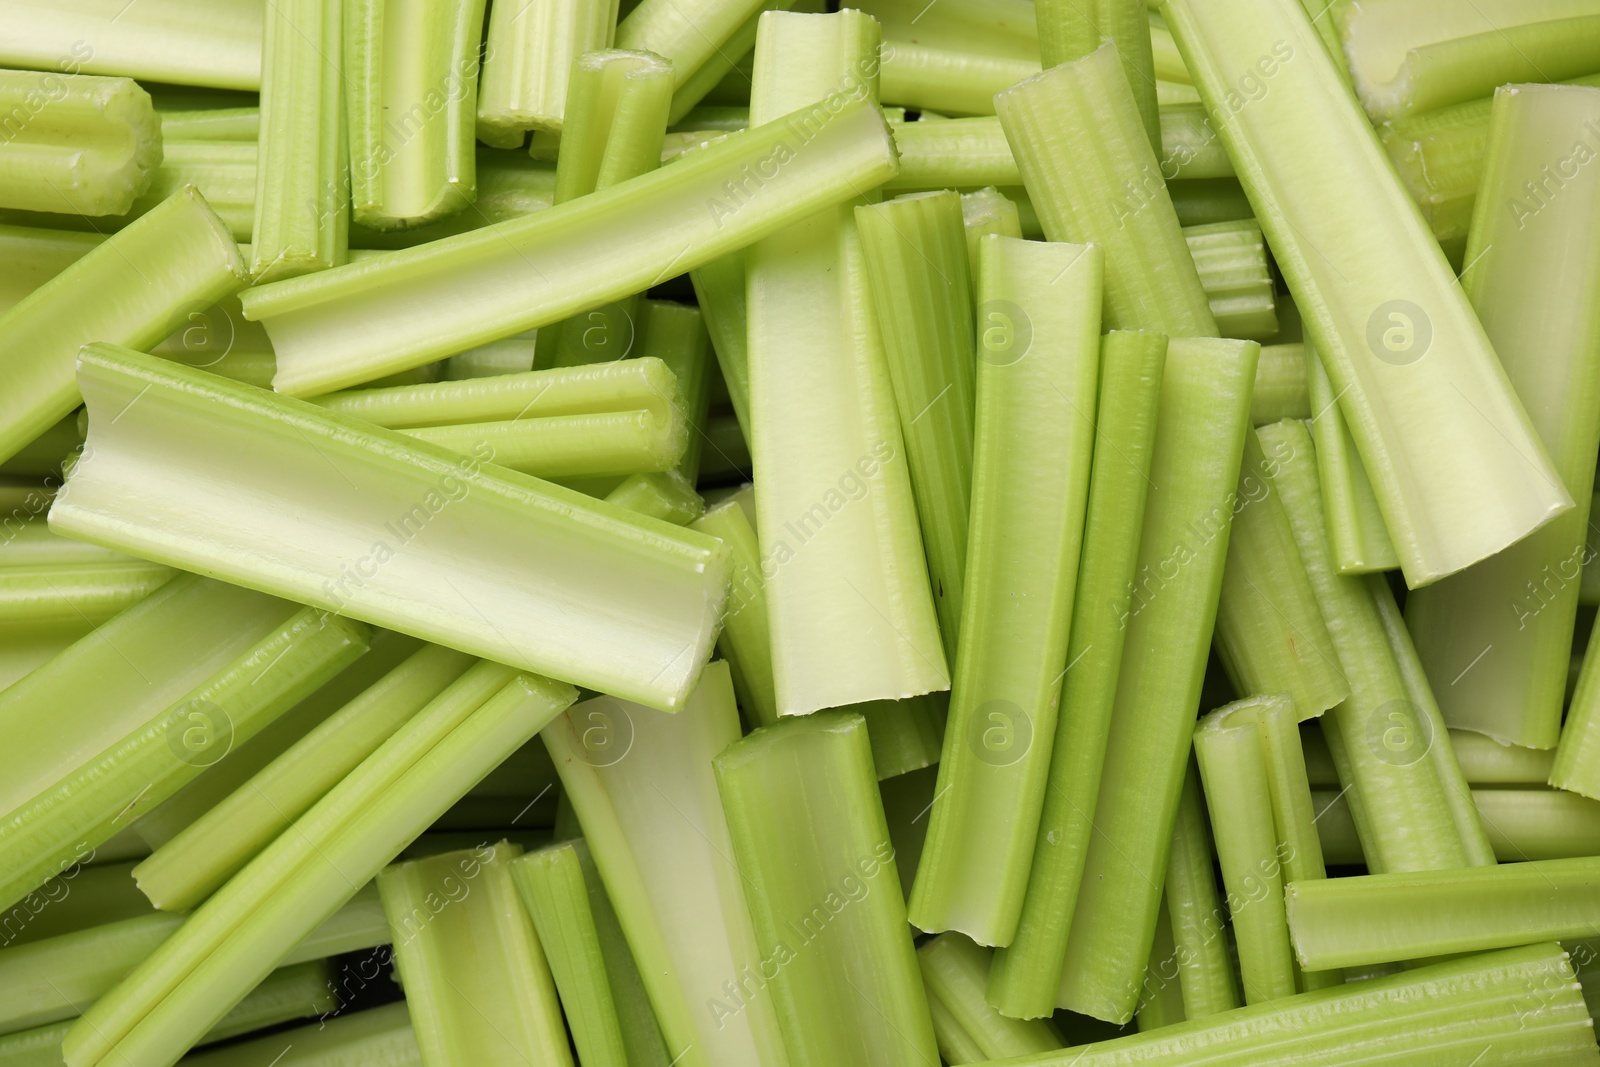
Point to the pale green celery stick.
(1438, 433)
(849, 598)
(601, 990)
(983, 212)
(1093, 177)
(690, 34)
(85, 145)
(1174, 94)
(917, 264)
(1026, 974)
(31, 256)
(221, 340)
(1161, 999)
(956, 153)
(711, 117)
(1203, 415)
(1168, 64)
(510, 185)
(676, 335)
(302, 217)
(1039, 352)
(1281, 391)
(359, 924)
(1357, 535)
(375, 317)
(22, 652)
(810, 838)
(1200, 958)
(477, 985)
(1539, 824)
(955, 1045)
(1589, 593)
(1485, 761)
(240, 933)
(1270, 632)
(745, 640)
(732, 66)
(1349, 801)
(410, 100)
(391, 530)
(1231, 259)
(643, 788)
(1410, 56)
(1496, 639)
(205, 854)
(529, 52)
(76, 899)
(948, 80)
(132, 289)
(1204, 200)
(514, 355)
(163, 41)
(667, 495)
(719, 290)
(53, 596)
(1189, 146)
(376, 1037)
(1072, 29)
(955, 972)
(210, 124)
(906, 735)
(1006, 28)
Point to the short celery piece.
(177, 258)
(1037, 379)
(1282, 391)
(410, 93)
(1356, 533)
(1027, 973)
(719, 290)
(1436, 422)
(529, 53)
(210, 124)
(1495, 639)
(380, 1035)
(955, 152)
(1072, 29)
(955, 971)
(809, 836)
(1521, 823)
(1200, 955)
(666, 495)
(83, 145)
(1110, 193)
(1202, 419)
(76, 899)
(947, 80)
(1231, 259)
(379, 316)
(987, 211)
(164, 41)
(391, 512)
(687, 33)
(1189, 146)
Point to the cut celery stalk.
(1483, 761)
(1281, 391)
(719, 290)
(76, 899)
(384, 315)
(514, 355)
(410, 93)
(528, 59)
(510, 185)
(955, 153)
(667, 495)
(163, 40)
(1038, 342)
(1071, 29)
(746, 639)
(983, 212)
(1356, 533)
(1231, 259)
(1522, 823)
(1205, 200)
(1161, 1000)
(849, 599)
(375, 1037)
(688, 33)
(31, 256)
(390, 511)
(810, 838)
(1200, 956)
(954, 972)
(84, 145)
(1027, 973)
(53, 596)
(1436, 434)
(1189, 146)
(132, 289)
(1093, 177)
(210, 124)
(984, 27)
(1495, 639)
(1580, 738)
(641, 783)
(676, 335)
(946, 79)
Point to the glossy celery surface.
(955, 972)
(84, 145)
(947, 80)
(666, 495)
(528, 56)
(1281, 391)
(1072, 30)
(165, 41)
(1356, 532)
(210, 124)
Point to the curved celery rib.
(1231, 259)
(946, 79)
(1200, 957)
(1281, 391)
(210, 124)
(687, 33)
(1357, 536)
(955, 972)
(81, 144)
(1072, 29)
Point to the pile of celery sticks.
(756, 533)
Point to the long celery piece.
(1231, 260)
(530, 49)
(85, 145)
(984, 27)
(1200, 957)
(389, 512)
(947, 80)
(1437, 435)
(917, 263)
(375, 1036)
(1093, 177)
(1521, 823)
(410, 99)
(1495, 647)
(954, 972)
(719, 291)
(1027, 973)
(666, 495)
(1282, 390)
(240, 933)
(1069, 29)
(132, 289)
(384, 315)
(642, 785)
(688, 33)
(164, 40)
(1039, 352)
(731, 66)
(849, 599)
(1359, 540)
(1194, 469)
(210, 124)
(33, 255)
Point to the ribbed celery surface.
(530, 49)
(688, 33)
(947, 80)
(1231, 259)
(82, 145)
(955, 972)
(1072, 29)
(1281, 390)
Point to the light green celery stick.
(510, 185)
(1231, 259)
(1072, 29)
(231, 941)
(133, 289)
(955, 1045)
(1161, 999)
(1167, 62)
(1485, 761)
(642, 785)
(84, 145)
(1039, 352)
(1093, 177)
(1281, 390)
(601, 991)
(388, 314)
(849, 599)
(1202, 418)
(917, 264)
(375, 1037)
(955, 971)
(1410, 56)
(1522, 823)
(983, 212)
(948, 80)
(302, 217)
(76, 899)
(513, 355)
(163, 41)
(983, 27)
(676, 335)
(955, 152)
(367, 519)
(667, 495)
(745, 640)
(205, 854)
(809, 836)
(1351, 802)
(1204, 200)
(1580, 738)
(44, 456)
(1356, 533)
(53, 596)
(529, 53)
(1027, 973)
(477, 984)
(689, 34)
(31, 256)
(1270, 632)
(1437, 435)
(1189, 146)
(409, 99)
(210, 124)
(719, 290)
(1495, 640)
(1200, 957)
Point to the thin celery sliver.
(948, 80)
(84, 145)
(1356, 532)
(90, 594)
(170, 41)
(1072, 29)
(746, 639)
(983, 212)
(210, 124)
(955, 971)
(676, 335)
(1200, 954)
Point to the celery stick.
(1437, 435)
(1203, 200)
(530, 50)
(510, 185)
(746, 639)
(667, 495)
(676, 335)
(955, 971)
(956, 153)
(79, 144)
(1231, 260)
(983, 27)
(23, 652)
(1202, 419)
(641, 783)
(987, 211)
(1485, 761)
(1200, 955)
(1281, 390)
(376, 1037)
(916, 254)
(75, 899)
(1539, 824)
(849, 598)
(1039, 346)
(1168, 64)
(376, 317)
(1071, 29)
(1093, 178)
(719, 290)
(1161, 1002)
(726, 457)
(1027, 973)
(210, 124)
(514, 355)
(688, 33)
(1356, 532)
(43, 456)
(955, 1045)
(54, 596)
(178, 257)
(665, 582)
(31, 256)
(946, 79)
(1189, 146)
(1580, 737)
